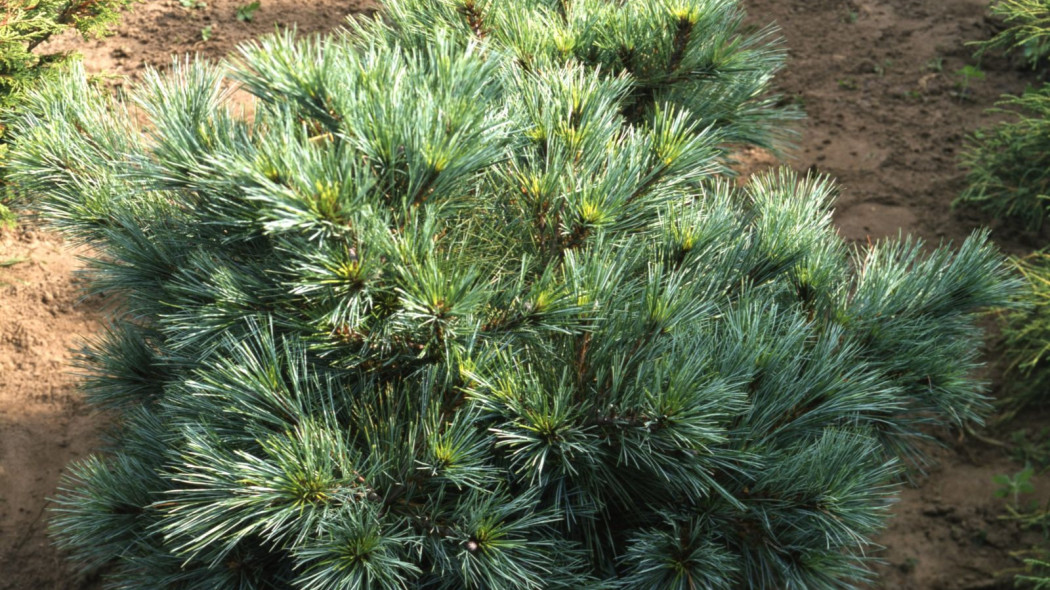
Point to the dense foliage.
(463, 305)
(1009, 163)
(1027, 29)
(24, 25)
(1009, 176)
(1027, 331)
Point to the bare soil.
(888, 112)
(888, 109)
(44, 423)
(155, 31)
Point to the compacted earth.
(889, 108)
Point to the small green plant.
(1014, 486)
(206, 33)
(847, 83)
(246, 12)
(881, 69)
(969, 73)
(1027, 516)
(193, 4)
(965, 76)
(935, 64)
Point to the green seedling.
(246, 12)
(936, 64)
(1013, 486)
(206, 33)
(967, 74)
(970, 72)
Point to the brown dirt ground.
(43, 420)
(879, 82)
(887, 118)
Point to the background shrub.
(1008, 173)
(1009, 163)
(1027, 29)
(25, 24)
(463, 305)
(1009, 176)
(1027, 330)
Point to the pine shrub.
(464, 304)
(1009, 176)
(1027, 29)
(1026, 332)
(1008, 164)
(1040, 578)
(24, 25)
